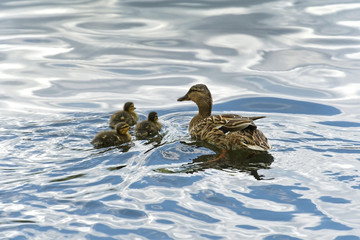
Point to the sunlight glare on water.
(66, 66)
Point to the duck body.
(112, 138)
(230, 132)
(149, 127)
(225, 131)
(126, 115)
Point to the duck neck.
(204, 112)
(204, 108)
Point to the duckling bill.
(225, 131)
(112, 138)
(149, 127)
(127, 115)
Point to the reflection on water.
(239, 160)
(65, 66)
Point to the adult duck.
(225, 131)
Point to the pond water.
(66, 66)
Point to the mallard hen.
(225, 131)
(112, 138)
(149, 127)
(127, 115)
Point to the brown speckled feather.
(230, 131)
(226, 131)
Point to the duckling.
(112, 138)
(149, 127)
(225, 131)
(126, 115)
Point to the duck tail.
(256, 118)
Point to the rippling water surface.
(66, 66)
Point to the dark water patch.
(330, 199)
(338, 41)
(340, 123)
(165, 221)
(22, 221)
(247, 227)
(280, 236)
(127, 213)
(115, 168)
(12, 83)
(110, 26)
(277, 105)
(166, 43)
(211, 236)
(67, 178)
(347, 237)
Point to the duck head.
(196, 93)
(129, 107)
(152, 117)
(201, 95)
(122, 128)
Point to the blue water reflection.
(277, 105)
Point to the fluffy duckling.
(112, 138)
(149, 127)
(126, 115)
(225, 131)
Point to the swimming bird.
(149, 127)
(126, 115)
(225, 131)
(112, 138)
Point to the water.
(65, 66)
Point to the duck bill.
(184, 98)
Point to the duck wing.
(232, 122)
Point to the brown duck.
(225, 131)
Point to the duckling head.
(152, 117)
(129, 107)
(122, 128)
(201, 95)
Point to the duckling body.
(112, 138)
(149, 127)
(226, 131)
(126, 115)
